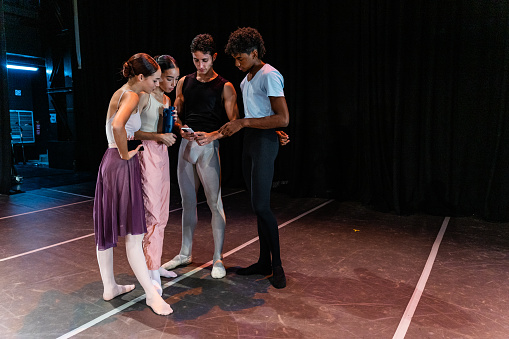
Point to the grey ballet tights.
(200, 164)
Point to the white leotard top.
(132, 125)
(150, 115)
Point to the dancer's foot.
(166, 273)
(116, 291)
(218, 270)
(179, 260)
(278, 279)
(158, 287)
(159, 306)
(255, 268)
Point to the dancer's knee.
(261, 209)
(189, 204)
(134, 241)
(216, 207)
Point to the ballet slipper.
(166, 273)
(116, 291)
(278, 279)
(179, 260)
(158, 305)
(255, 268)
(218, 270)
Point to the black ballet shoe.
(255, 268)
(278, 279)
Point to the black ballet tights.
(260, 151)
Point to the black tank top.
(203, 106)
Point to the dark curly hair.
(203, 43)
(245, 40)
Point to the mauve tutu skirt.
(118, 204)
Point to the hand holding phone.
(187, 133)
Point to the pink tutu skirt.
(118, 205)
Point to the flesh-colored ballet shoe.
(159, 306)
(119, 290)
(166, 274)
(179, 260)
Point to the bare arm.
(164, 138)
(230, 101)
(232, 111)
(281, 118)
(179, 104)
(179, 100)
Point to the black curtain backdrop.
(401, 105)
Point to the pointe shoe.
(179, 260)
(218, 270)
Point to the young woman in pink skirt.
(155, 166)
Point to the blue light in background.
(23, 68)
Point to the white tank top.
(132, 125)
(150, 115)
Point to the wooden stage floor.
(352, 273)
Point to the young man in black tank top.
(204, 101)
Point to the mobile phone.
(187, 129)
